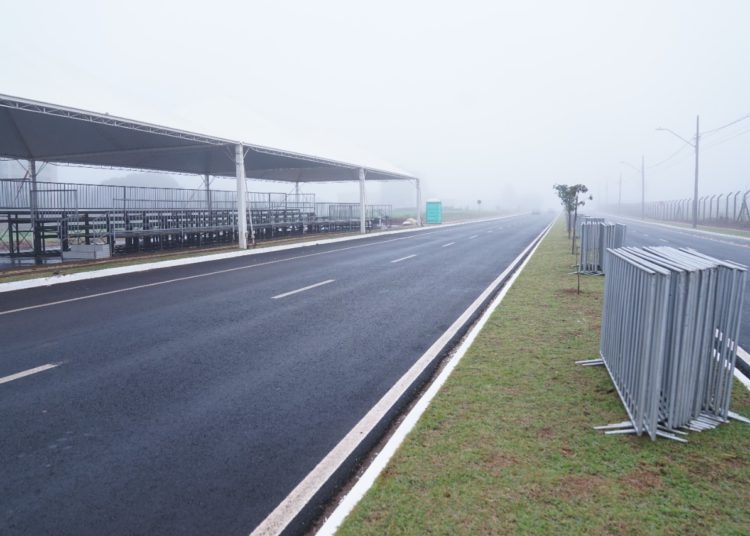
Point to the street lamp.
(643, 183)
(695, 146)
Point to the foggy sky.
(483, 100)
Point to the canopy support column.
(34, 208)
(419, 203)
(362, 205)
(239, 161)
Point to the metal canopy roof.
(32, 130)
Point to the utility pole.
(643, 187)
(695, 192)
(695, 145)
(619, 196)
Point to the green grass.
(507, 446)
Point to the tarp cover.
(32, 130)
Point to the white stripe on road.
(404, 258)
(207, 274)
(448, 244)
(744, 380)
(489, 232)
(284, 295)
(301, 495)
(472, 237)
(4, 286)
(29, 372)
(381, 460)
(664, 240)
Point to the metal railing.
(17, 194)
(670, 327)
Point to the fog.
(483, 100)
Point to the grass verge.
(507, 446)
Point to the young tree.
(570, 200)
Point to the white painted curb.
(380, 462)
(135, 268)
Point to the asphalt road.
(191, 400)
(723, 247)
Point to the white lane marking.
(404, 258)
(695, 233)
(644, 234)
(380, 462)
(472, 237)
(136, 268)
(197, 276)
(285, 294)
(744, 380)
(489, 232)
(29, 372)
(663, 240)
(687, 230)
(208, 274)
(448, 244)
(288, 509)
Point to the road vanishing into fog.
(724, 247)
(193, 399)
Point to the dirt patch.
(643, 480)
(580, 486)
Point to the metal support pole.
(362, 198)
(419, 204)
(239, 161)
(619, 195)
(34, 212)
(695, 194)
(207, 185)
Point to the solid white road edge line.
(744, 380)
(29, 372)
(678, 228)
(367, 480)
(380, 462)
(288, 509)
(205, 274)
(448, 244)
(404, 258)
(284, 295)
(107, 272)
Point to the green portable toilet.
(434, 212)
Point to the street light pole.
(695, 193)
(695, 146)
(643, 183)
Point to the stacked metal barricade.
(596, 237)
(669, 337)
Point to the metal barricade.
(669, 336)
(596, 237)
